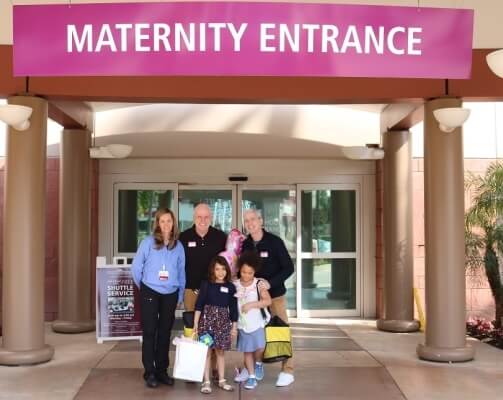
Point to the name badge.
(224, 289)
(163, 275)
(192, 244)
(264, 254)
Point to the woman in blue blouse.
(159, 272)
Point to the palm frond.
(487, 198)
(474, 245)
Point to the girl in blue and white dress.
(253, 295)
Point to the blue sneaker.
(251, 383)
(259, 371)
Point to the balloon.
(233, 249)
(235, 241)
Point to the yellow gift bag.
(278, 346)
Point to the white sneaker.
(242, 376)
(284, 379)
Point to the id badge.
(192, 244)
(264, 254)
(224, 289)
(163, 275)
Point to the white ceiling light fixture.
(363, 153)
(495, 62)
(111, 151)
(16, 116)
(451, 118)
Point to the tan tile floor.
(352, 360)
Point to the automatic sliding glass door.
(319, 223)
(278, 207)
(328, 249)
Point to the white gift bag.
(190, 360)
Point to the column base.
(28, 357)
(398, 325)
(445, 354)
(61, 326)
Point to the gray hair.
(254, 211)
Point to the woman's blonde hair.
(158, 238)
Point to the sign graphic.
(242, 39)
(118, 304)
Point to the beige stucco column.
(24, 241)
(445, 338)
(397, 213)
(74, 311)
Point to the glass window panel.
(220, 202)
(291, 291)
(137, 210)
(329, 284)
(328, 221)
(279, 212)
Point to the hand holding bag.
(190, 360)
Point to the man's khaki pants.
(189, 300)
(278, 307)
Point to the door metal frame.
(356, 312)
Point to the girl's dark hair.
(211, 269)
(249, 258)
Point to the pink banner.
(242, 39)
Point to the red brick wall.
(379, 239)
(479, 300)
(418, 228)
(52, 227)
(51, 239)
(2, 180)
(51, 232)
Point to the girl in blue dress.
(253, 298)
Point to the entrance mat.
(323, 383)
(305, 337)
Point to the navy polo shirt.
(198, 253)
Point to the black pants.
(157, 317)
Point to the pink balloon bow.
(233, 248)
